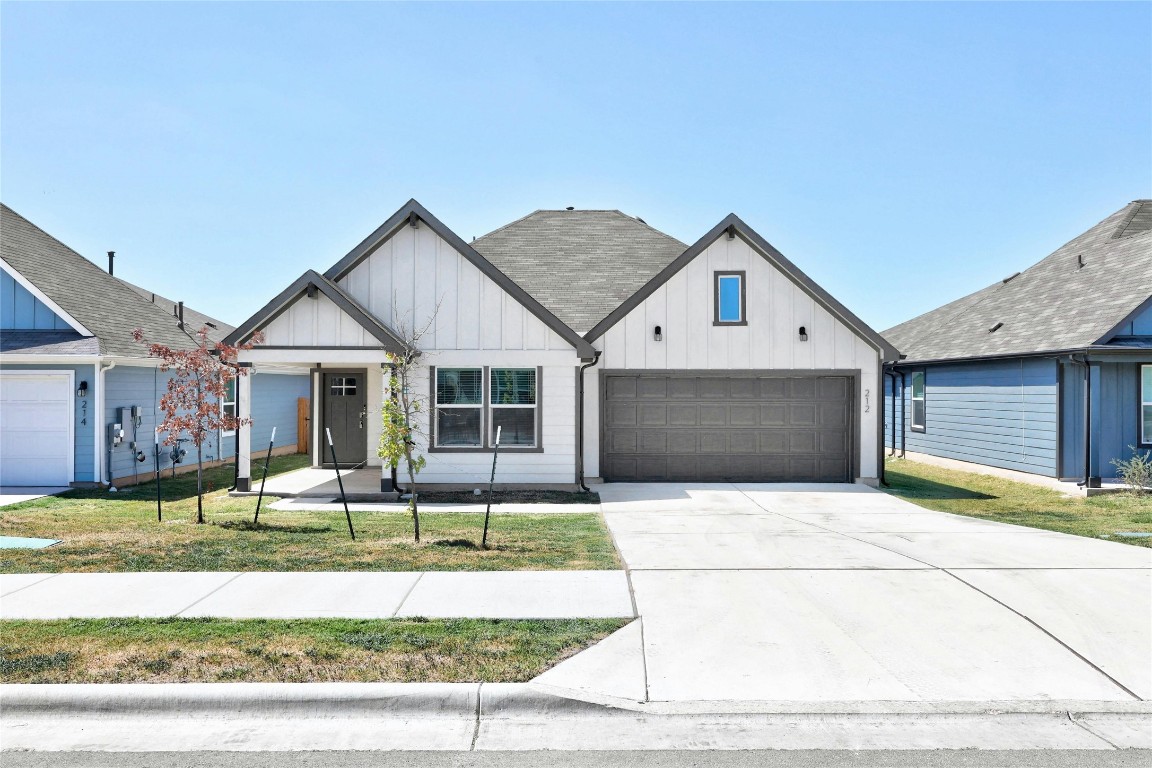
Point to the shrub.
(1136, 472)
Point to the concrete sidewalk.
(360, 595)
(491, 716)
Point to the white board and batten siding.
(416, 275)
(777, 308)
(418, 280)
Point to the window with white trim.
(1146, 405)
(919, 411)
(459, 407)
(228, 404)
(512, 406)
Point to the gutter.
(580, 422)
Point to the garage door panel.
(773, 415)
(775, 441)
(622, 414)
(744, 441)
(713, 442)
(712, 388)
(619, 387)
(653, 415)
(652, 441)
(802, 415)
(735, 428)
(713, 415)
(652, 388)
(740, 415)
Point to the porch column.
(244, 446)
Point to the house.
(601, 347)
(1048, 371)
(70, 369)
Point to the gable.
(776, 308)
(314, 313)
(22, 311)
(423, 296)
(728, 231)
(1137, 325)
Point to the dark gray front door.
(726, 428)
(345, 413)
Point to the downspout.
(101, 422)
(893, 375)
(903, 417)
(580, 423)
(1088, 481)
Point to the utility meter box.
(115, 434)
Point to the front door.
(345, 398)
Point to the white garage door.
(35, 429)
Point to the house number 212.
(867, 400)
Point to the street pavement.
(838, 596)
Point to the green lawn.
(1005, 501)
(103, 531)
(315, 650)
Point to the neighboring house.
(604, 349)
(1002, 377)
(68, 365)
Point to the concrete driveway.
(845, 598)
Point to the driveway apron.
(827, 594)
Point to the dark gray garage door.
(689, 427)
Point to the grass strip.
(117, 532)
(291, 651)
(1006, 501)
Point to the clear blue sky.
(901, 154)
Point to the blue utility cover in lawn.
(23, 542)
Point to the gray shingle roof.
(193, 320)
(105, 305)
(580, 265)
(49, 343)
(1053, 305)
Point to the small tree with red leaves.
(197, 387)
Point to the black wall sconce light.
(82, 390)
(803, 333)
(656, 334)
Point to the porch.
(311, 482)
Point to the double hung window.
(471, 403)
(228, 403)
(459, 407)
(513, 406)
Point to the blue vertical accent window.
(1146, 405)
(729, 297)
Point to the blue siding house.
(1048, 371)
(69, 369)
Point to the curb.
(457, 700)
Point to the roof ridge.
(504, 227)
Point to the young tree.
(401, 414)
(191, 405)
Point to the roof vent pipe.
(111, 258)
(180, 314)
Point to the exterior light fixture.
(82, 390)
(803, 333)
(731, 233)
(656, 334)
(413, 220)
